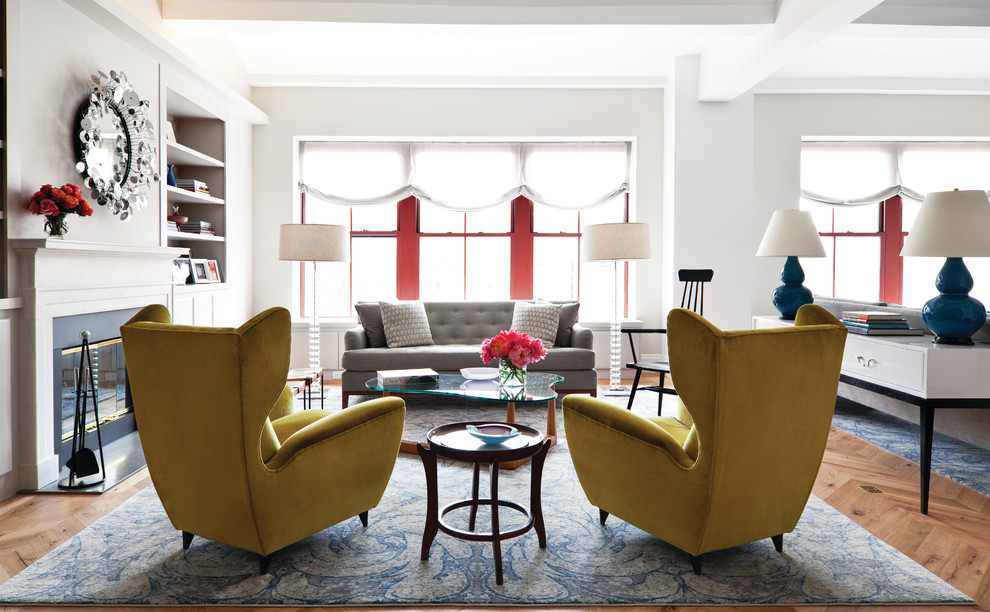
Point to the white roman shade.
(465, 175)
(857, 173)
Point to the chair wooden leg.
(265, 561)
(602, 516)
(696, 564)
(632, 390)
(364, 518)
(778, 542)
(186, 540)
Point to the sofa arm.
(355, 338)
(581, 337)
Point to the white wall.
(425, 113)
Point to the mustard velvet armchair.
(736, 460)
(229, 460)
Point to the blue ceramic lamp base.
(792, 295)
(954, 316)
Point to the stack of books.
(172, 226)
(197, 227)
(421, 376)
(877, 323)
(192, 185)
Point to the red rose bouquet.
(57, 202)
(514, 351)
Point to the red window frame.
(891, 234)
(521, 235)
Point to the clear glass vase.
(510, 375)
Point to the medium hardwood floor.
(953, 540)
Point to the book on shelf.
(194, 225)
(192, 185)
(878, 324)
(875, 331)
(870, 315)
(417, 376)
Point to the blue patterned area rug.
(133, 556)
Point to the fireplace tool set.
(84, 469)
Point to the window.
(865, 197)
(464, 220)
(416, 250)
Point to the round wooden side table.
(453, 441)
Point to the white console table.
(914, 370)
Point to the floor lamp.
(313, 242)
(615, 242)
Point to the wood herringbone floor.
(953, 540)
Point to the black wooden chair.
(693, 297)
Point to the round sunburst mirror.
(117, 145)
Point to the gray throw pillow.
(370, 316)
(568, 319)
(405, 324)
(539, 320)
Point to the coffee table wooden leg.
(510, 412)
(496, 542)
(429, 459)
(552, 419)
(535, 493)
(474, 495)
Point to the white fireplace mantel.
(62, 278)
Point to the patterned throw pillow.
(539, 320)
(405, 324)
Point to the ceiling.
(934, 46)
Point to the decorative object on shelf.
(182, 271)
(791, 234)
(514, 351)
(57, 202)
(117, 145)
(616, 242)
(952, 224)
(84, 469)
(176, 218)
(314, 242)
(170, 177)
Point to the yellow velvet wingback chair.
(737, 460)
(225, 468)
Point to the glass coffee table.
(539, 388)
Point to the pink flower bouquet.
(514, 351)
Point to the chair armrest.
(355, 338)
(627, 424)
(329, 427)
(582, 337)
(643, 330)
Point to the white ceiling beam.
(729, 70)
(485, 12)
(875, 85)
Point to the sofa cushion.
(568, 319)
(405, 324)
(539, 320)
(453, 357)
(370, 316)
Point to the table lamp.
(791, 234)
(952, 224)
(314, 242)
(615, 242)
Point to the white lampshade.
(615, 242)
(791, 233)
(951, 224)
(313, 242)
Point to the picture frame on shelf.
(181, 271)
(200, 271)
(213, 270)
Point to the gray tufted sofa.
(458, 328)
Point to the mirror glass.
(118, 154)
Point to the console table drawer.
(884, 363)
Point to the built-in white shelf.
(184, 196)
(189, 236)
(184, 156)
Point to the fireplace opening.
(118, 427)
